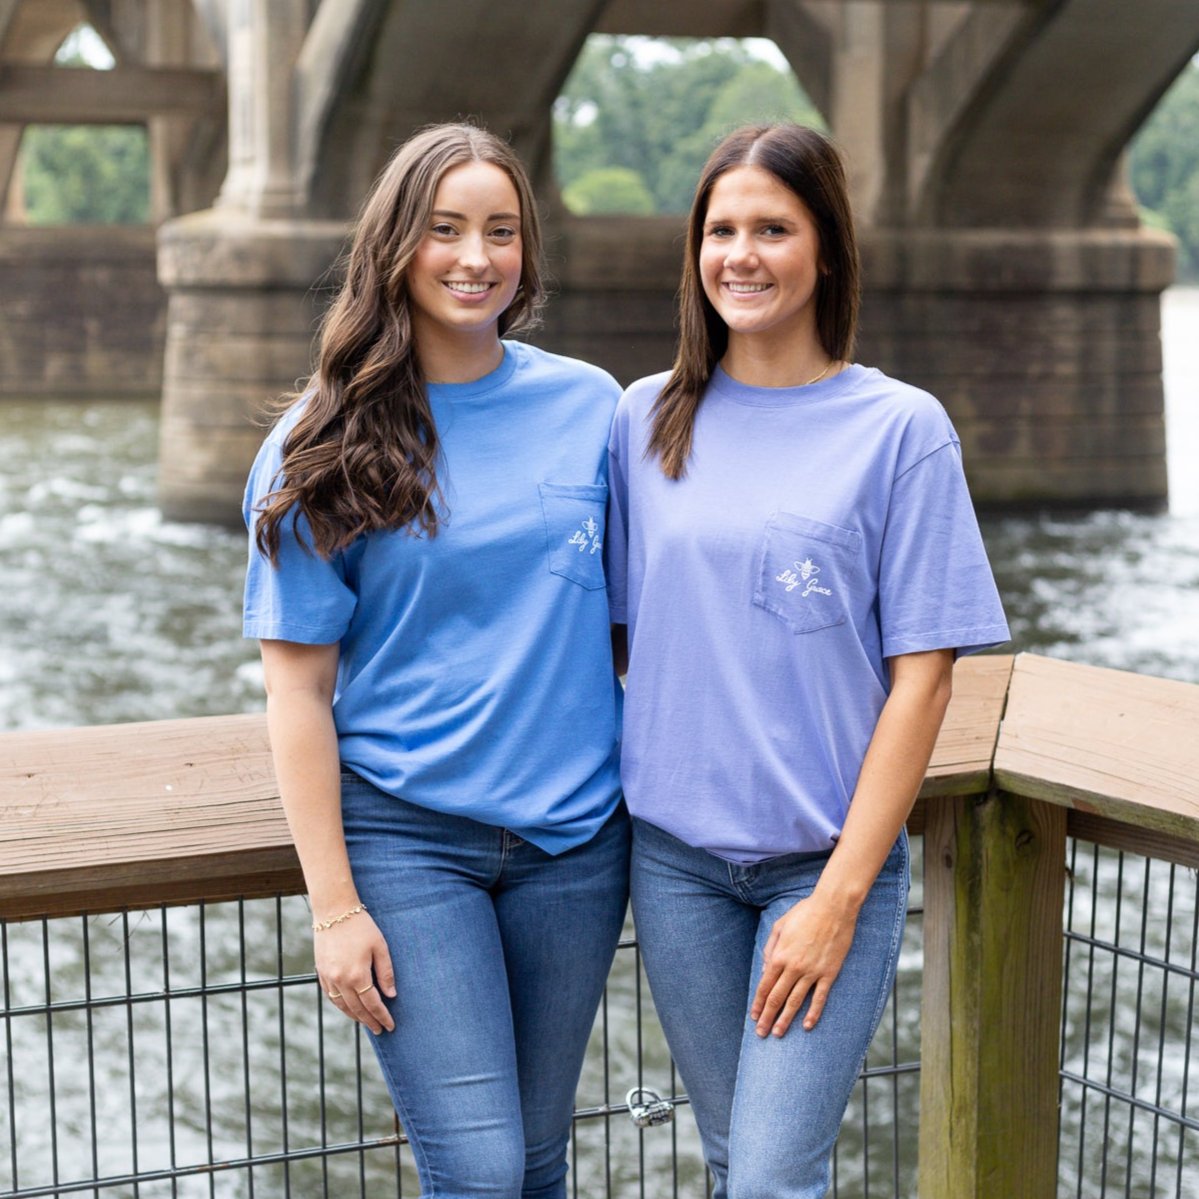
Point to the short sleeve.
(936, 589)
(302, 597)
(616, 539)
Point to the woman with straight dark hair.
(795, 555)
(426, 579)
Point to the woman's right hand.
(355, 972)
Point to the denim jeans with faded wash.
(768, 1108)
(500, 951)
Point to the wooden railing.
(1032, 750)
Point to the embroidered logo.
(587, 537)
(805, 573)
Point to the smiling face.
(759, 260)
(467, 268)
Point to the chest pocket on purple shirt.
(574, 530)
(804, 571)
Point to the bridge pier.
(245, 298)
(1005, 269)
(1044, 345)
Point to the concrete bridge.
(1006, 269)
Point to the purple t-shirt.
(817, 531)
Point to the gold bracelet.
(320, 926)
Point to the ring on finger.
(334, 994)
(368, 987)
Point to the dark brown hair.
(363, 454)
(807, 163)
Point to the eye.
(774, 230)
(720, 231)
(443, 229)
(504, 233)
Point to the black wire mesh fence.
(188, 1052)
(1129, 1074)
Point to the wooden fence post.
(994, 878)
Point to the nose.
(740, 252)
(472, 253)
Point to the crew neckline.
(485, 384)
(778, 397)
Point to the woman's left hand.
(803, 957)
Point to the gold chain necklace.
(817, 378)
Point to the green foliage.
(659, 113)
(1164, 166)
(86, 174)
(608, 190)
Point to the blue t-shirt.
(817, 531)
(475, 673)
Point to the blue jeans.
(501, 952)
(768, 1109)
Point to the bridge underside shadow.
(1005, 267)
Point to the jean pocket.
(574, 530)
(806, 571)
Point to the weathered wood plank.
(1147, 842)
(994, 879)
(961, 761)
(1108, 742)
(179, 811)
(167, 811)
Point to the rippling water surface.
(1115, 588)
(108, 613)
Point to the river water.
(109, 614)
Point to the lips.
(746, 289)
(464, 288)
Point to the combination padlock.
(647, 1108)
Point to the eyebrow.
(763, 218)
(461, 216)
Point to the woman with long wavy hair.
(796, 559)
(427, 524)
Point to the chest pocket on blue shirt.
(805, 571)
(574, 530)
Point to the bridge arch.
(1005, 268)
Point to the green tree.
(84, 174)
(758, 93)
(609, 190)
(1164, 167)
(658, 108)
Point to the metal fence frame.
(1140, 915)
(96, 1039)
(1113, 1079)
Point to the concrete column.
(243, 305)
(264, 41)
(240, 322)
(242, 278)
(1043, 345)
(243, 309)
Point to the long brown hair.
(808, 163)
(363, 455)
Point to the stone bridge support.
(83, 313)
(318, 97)
(1005, 266)
(1006, 269)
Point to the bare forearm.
(892, 772)
(808, 943)
(304, 748)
